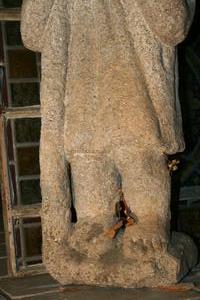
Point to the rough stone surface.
(110, 117)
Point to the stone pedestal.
(150, 265)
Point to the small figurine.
(173, 165)
(125, 217)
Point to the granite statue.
(110, 118)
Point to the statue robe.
(108, 70)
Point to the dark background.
(187, 218)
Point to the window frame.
(11, 213)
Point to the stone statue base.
(151, 264)
(143, 254)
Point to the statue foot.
(142, 239)
(88, 237)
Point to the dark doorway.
(186, 182)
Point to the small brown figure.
(173, 165)
(124, 215)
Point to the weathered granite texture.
(110, 116)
